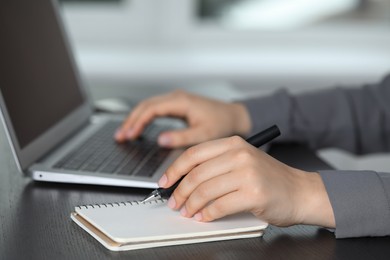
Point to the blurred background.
(250, 46)
(248, 43)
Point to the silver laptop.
(47, 113)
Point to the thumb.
(181, 137)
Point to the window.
(117, 22)
(292, 14)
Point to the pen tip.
(155, 194)
(148, 198)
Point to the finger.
(182, 137)
(209, 191)
(196, 155)
(201, 174)
(229, 204)
(121, 132)
(126, 129)
(146, 112)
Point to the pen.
(256, 140)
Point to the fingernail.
(164, 140)
(198, 216)
(183, 211)
(171, 202)
(163, 181)
(129, 133)
(118, 134)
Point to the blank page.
(136, 222)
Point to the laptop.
(48, 116)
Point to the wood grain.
(35, 223)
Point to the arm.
(357, 120)
(360, 202)
(353, 119)
(227, 176)
(330, 199)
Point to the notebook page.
(126, 223)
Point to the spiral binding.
(119, 204)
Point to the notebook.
(135, 225)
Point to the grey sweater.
(353, 119)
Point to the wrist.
(314, 207)
(241, 120)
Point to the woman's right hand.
(228, 175)
(206, 118)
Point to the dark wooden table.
(35, 223)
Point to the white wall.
(153, 42)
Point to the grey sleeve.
(360, 202)
(353, 119)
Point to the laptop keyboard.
(100, 153)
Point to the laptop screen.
(37, 78)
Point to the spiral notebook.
(134, 225)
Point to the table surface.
(35, 223)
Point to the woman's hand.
(228, 176)
(207, 119)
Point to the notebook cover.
(125, 226)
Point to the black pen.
(256, 140)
